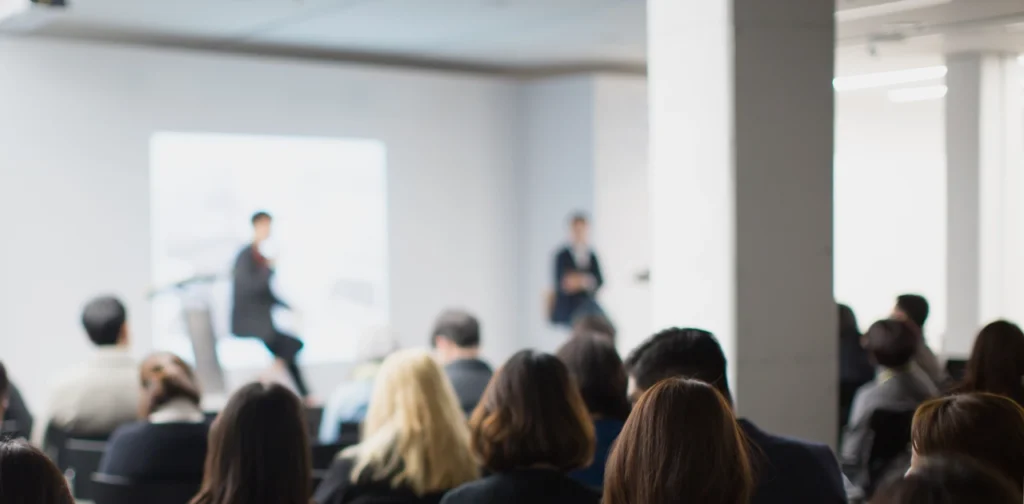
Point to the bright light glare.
(917, 94)
(885, 79)
(10, 8)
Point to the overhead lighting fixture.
(884, 9)
(886, 79)
(916, 94)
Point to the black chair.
(890, 446)
(323, 456)
(313, 418)
(83, 460)
(956, 369)
(109, 489)
(348, 433)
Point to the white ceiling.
(511, 35)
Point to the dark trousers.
(284, 346)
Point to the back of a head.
(950, 480)
(681, 444)
(459, 327)
(684, 353)
(915, 307)
(104, 318)
(415, 432)
(892, 342)
(997, 362)
(5, 384)
(166, 377)
(986, 427)
(258, 450)
(848, 322)
(595, 364)
(27, 476)
(532, 414)
(594, 323)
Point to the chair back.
(348, 433)
(109, 489)
(890, 444)
(83, 460)
(323, 456)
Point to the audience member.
(258, 450)
(529, 431)
(986, 427)
(595, 364)
(788, 470)
(997, 362)
(457, 340)
(950, 480)
(350, 400)
(27, 476)
(169, 443)
(855, 368)
(682, 444)
(891, 344)
(16, 417)
(594, 323)
(914, 308)
(102, 394)
(415, 444)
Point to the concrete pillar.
(741, 187)
(985, 224)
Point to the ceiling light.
(886, 79)
(916, 94)
(870, 11)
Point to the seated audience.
(101, 394)
(415, 444)
(595, 364)
(27, 476)
(892, 344)
(457, 341)
(169, 443)
(594, 323)
(949, 480)
(688, 427)
(350, 400)
(986, 427)
(855, 368)
(258, 450)
(997, 362)
(914, 308)
(788, 470)
(530, 430)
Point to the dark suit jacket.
(253, 298)
(469, 377)
(338, 488)
(566, 304)
(170, 452)
(523, 486)
(790, 471)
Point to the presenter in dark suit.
(254, 299)
(577, 277)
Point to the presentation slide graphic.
(329, 242)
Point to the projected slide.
(328, 242)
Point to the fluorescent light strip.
(886, 79)
(871, 11)
(915, 94)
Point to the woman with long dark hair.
(27, 476)
(997, 362)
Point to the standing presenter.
(254, 299)
(577, 276)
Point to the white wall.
(75, 124)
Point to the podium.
(197, 315)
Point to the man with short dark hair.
(789, 471)
(896, 387)
(456, 337)
(577, 276)
(914, 308)
(103, 393)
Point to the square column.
(741, 189)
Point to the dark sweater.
(144, 451)
(530, 486)
(338, 488)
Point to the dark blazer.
(606, 431)
(566, 305)
(253, 298)
(791, 471)
(170, 452)
(18, 413)
(469, 377)
(338, 488)
(529, 486)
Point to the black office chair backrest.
(890, 444)
(956, 369)
(109, 489)
(83, 460)
(348, 433)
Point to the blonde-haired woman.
(415, 441)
